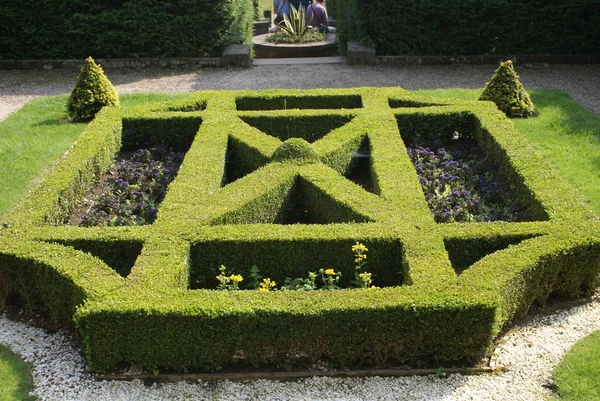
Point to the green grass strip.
(578, 374)
(15, 377)
(30, 141)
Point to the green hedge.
(278, 259)
(470, 27)
(207, 330)
(75, 29)
(274, 100)
(55, 279)
(446, 289)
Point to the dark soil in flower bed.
(460, 185)
(131, 192)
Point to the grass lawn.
(578, 375)
(30, 140)
(15, 378)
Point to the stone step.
(299, 60)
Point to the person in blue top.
(281, 8)
(297, 3)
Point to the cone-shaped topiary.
(507, 92)
(92, 92)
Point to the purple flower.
(464, 175)
(127, 205)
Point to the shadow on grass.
(576, 119)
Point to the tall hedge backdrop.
(470, 27)
(46, 29)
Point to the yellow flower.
(267, 284)
(220, 277)
(236, 278)
(359, 248)
(330, 272)
(365, 276)
(360, 258)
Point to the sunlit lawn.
(33, 138)
(15, 377)
(578, 375)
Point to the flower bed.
(136, 186)
(460, 186)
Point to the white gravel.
(529, 352)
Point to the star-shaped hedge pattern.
(289, 181)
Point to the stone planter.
(264, 49)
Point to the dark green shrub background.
(470, 27)
(32, 29)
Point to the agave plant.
(295, 23)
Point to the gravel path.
(530, 352)
(581, 81)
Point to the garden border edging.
(491, 59)
(109, 63)
(141, 63)
(289, 376)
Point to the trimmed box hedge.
(143, 296)
(472, 27)
(76, 29)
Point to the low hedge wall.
(471, 27)
(446, 289)
(53, 278)
(207, 330)
(76, 29)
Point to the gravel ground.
(530, 352)
(581, 81)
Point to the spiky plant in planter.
(295, 24)
(507, 92)
(92, 92)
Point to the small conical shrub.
(92, 92)
(507, 92)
